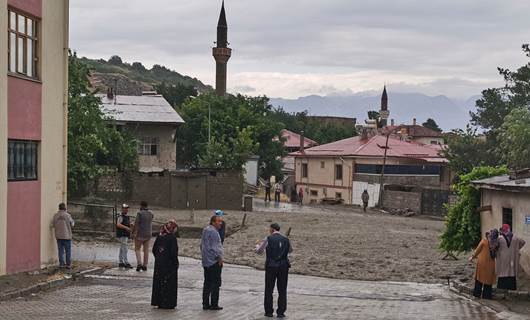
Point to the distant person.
(222, 231)
(143, 231)
(62, 225)
(123, 233)
(301, 196)
(277, 248)
(277, 192)
(165, 277)
(508, 259)
(212, 262)
(268, 191)
(365, 197)
(486, 252)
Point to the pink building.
(33, 127)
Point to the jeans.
(276, 276)
(64, 247)
(212, 283)
(124, 246)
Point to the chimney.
(302, 141)
(414, 121)
(110, 93)
(392, 122)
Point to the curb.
(42, 286)
(464, 288)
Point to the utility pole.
(209, 124)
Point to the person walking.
(268, 191)
(222, 231)
(485, 254)
(277, 248)
(62, 225)
(277, 192)
(212, 262)
(123, 233)
(143, 231)
(165, 277)
(365, 197)
(507, 263)
(301, 195)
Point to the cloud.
(291, 48)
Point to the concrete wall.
(54, 68)
(167, 154)
(251, 171)
(428, 140)
(402, 200)
(520, 205)
(3, 138)
(406, 180)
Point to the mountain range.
(404, 107)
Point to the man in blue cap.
(222, 231)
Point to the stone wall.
(402, 200)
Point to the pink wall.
(23, 226)
(33, 7)
(24, 109)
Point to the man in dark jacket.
(365, 197)
(123, 233)
(277, 248)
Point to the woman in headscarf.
(485, 272)
(165, 250)
(508, 259)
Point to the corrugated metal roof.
(503, 183)
(292, 140)
(151, 108)
(374, 147)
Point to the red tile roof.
(292, 140)
(373, 147)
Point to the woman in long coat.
(485, 272)
(165, 250)
(508, 259)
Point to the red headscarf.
(168, 228)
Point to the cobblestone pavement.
(118, 294)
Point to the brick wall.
(402, 200)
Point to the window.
(314, 193)
(398, 169)
(22, 160)
(338, 195)
(22, 44)
(507, 216)
(148, 146)
(338, 172)
(304, 170)
(322, 164)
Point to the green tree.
(514, 139)
(375, 115)
(94, 144)
(431, 124)
(462, 224)
(176, 94)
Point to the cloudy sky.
(292, 48)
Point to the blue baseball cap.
(219, 213)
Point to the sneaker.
(216, 308)
(144, 268)
(139, 268)
(128, 266)
(269, 315)
(281, 315)
(205, 307)
(121, 265)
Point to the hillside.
(134, 78)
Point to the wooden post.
(244, 220)
(192, 215)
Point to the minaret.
(384, 113)
(221, 53)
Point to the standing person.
(143, 230)
(485, 271)
(212, 262)
(301, 195)
(222, 231)
(277, 248)
(165, 277)
(508, 259)
(268, 190)
(62, 225)
(277, 192)
(123, 233)
(365, 197)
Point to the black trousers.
(276, 276)
(482, 290)
(267, 194)
(277, 196)
(365, 204)
(508, 283)
(212, 283)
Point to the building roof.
(415, 131)
(374, 147)
(147, 108)
(504, 183)
(292, 140)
